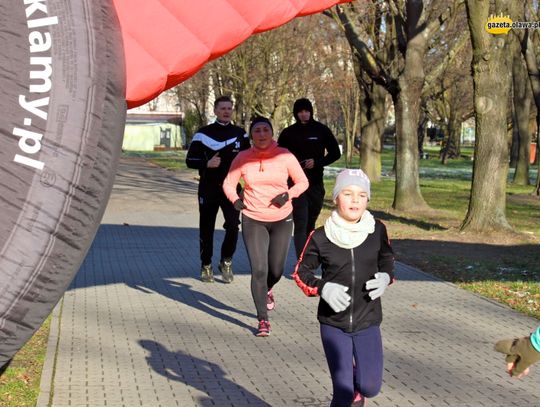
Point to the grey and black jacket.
(227, 140)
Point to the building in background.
(153, 131)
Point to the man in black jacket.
(212, 150)
(314, 145)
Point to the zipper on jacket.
(353, 278)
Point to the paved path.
(137, 327)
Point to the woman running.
(266, 211)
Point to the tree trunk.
(423, 20)
(421, 131)
(514, 143)
(355, 126)
(490, 65)
(350, 109)
(348, 143)
(528, 50)
(452, 143)
(407, 196)
(372, 129)
(522, 108)
(537, 187)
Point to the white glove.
(336, 296)
(378, 285)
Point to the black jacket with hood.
(349, 267)
(311, 140)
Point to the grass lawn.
(19, 383)
(172, 160)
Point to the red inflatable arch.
(192, 33)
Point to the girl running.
(357, 263)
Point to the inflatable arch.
(68, 71)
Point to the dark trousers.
(267, 246)
(365, 348)
(210, 200)
(306, 210)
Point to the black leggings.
(306, 210)
(267, 245)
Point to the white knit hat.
(351, 177)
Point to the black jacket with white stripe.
(216, 138)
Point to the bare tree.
(195, 93)
(522, 97)
(447, 89)
(528, 50)
(529, 45)
(373, 119)
(373, 25)
(490, 65)
(340, 97)
(269, 70)
(416, 23)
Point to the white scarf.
(348, 235)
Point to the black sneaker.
(225, 266)
(207, 274)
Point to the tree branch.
(447, 60)
(366, 58)
(435, 24)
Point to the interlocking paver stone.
(138, 328)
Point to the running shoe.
(207, 274)
(270, 301)
(225, 266)
(263, 329)
(358, 400)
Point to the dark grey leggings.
(267, 245)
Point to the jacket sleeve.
(386, 255)
(196, 156)
(304, 271)
(231, 180)
(245, 144)
(535, 339)
(282, 139)
(296, 173)
(331, 145)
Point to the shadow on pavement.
(137, 175)
(151, 256)
(185, 294)
(131, 254)
(384, 216)
(205, 376)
